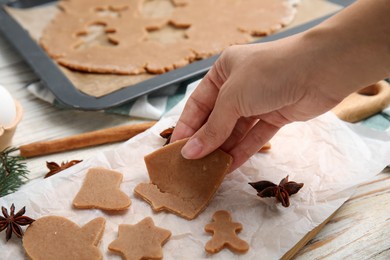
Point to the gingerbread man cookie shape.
(224, 234)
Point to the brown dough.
(140, 241)
(57, 238)
(182, 186)
(224, 234)
(94, 36)
(215, 25)
(101, 190)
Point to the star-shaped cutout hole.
(140, 241)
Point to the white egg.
(7, 108)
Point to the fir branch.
(13, 171)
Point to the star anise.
(56, 168)
(281, 192)
(166, 134)
(13, 221)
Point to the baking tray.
(69, 96)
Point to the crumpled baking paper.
(329, 156)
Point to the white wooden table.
(360, 229)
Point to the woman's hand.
(253, 90)
(247, 96)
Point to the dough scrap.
(121, 44)
(101, 190)
(183, 187)
(57, 238)
(224, 234)
(140, 241)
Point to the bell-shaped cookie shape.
(101, 190)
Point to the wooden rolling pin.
(364, 103)
(104, 136)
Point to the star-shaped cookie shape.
(140, 241)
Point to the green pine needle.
(13, 171)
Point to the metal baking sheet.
(66, 93)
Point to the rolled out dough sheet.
(35, 19)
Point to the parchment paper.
(35, 19)
(330, 156)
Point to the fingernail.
(192, 148)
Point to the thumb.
(214, 132)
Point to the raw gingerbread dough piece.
(94, 36)
(57, 238)
(215, 25)
(101, 190)
(140, 241)
(224, 234)
(182, 186)
(119, 43)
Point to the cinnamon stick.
(104, 136)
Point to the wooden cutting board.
(356, 107)
(293, 251)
